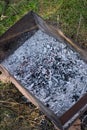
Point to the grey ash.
(49, 69)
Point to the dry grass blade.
(79, 25)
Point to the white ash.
(50, 70)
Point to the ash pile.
(49, 69)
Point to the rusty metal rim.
(36, 21)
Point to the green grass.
(71, 17)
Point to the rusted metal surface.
(8, 44)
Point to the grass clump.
(16, 113)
